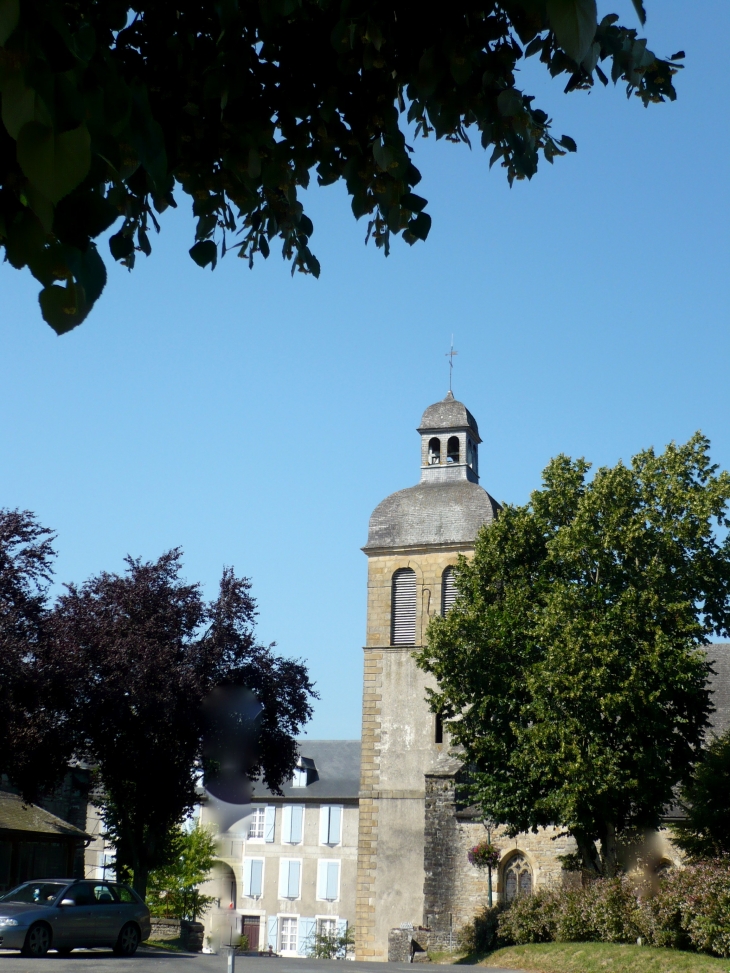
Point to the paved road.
(157, 961)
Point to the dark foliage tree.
(35, 743)
(143, 650)
(705, 799)
(108, 105)
(571, 666)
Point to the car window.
(41, 893)
(82, 894)
(102, 894)
(124, 894)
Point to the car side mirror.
(67, 902)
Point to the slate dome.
(449, 413)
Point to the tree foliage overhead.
(571, 666)
(108, 106)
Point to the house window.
(517, 878)
(403, 620)
(448, 590)
(299, 778)
(328, 880)
(330, 825)
(327, 927)
(290, 875)
(292, 824)
(257, 824)
(434, 452)
(253, 877)
(289, 930)
(452, 450)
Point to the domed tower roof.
(447, 508)
(449, 413)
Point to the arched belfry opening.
(449, 438)
(452, 450)
(434, 451)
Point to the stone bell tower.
(414, 539)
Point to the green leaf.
(121, 246)
(89, 270)
(568, 143)
(420, 226)
(383, 155)
(413, 202)
(9, 17)
(574, 23)
(509, 102)
(641, 13)
(63, 307)
(204, 252)
(54, 164)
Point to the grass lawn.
(602, 958)
(169, 945)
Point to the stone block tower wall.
(423, 529)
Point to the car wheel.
(37, 941)
(128, 940)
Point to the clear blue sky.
(256, 420)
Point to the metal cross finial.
(450, 356)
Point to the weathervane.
(450, 356)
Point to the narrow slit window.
(438, 735)
(452, 450)
(403, 617)
(448, 590)
(434, 452)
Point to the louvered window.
(448, 590)
(403, 620)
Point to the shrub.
(691, 909)
(480, 935)
(530, 918)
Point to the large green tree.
(109, 107)
(571, 666)
(705, 799)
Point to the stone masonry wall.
(455, 890)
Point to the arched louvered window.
(434, 452)
(448, 590)
(517, 878)
(403, 612)
(452, 450)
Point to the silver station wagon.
(62, 914)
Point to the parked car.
(64, 913)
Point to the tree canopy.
(110, 107)
(704, 798)
(141, 652)
(571, 667)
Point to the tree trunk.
(141, 875)
(609, 851)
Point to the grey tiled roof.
(448, 414)
(31, 819)
(719, 655)
(337, 766)
(431, 513)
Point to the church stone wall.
(454, 890)
(398, 749)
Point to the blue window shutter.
(247, 877)
(286, 824)
(305, 935)
(333, 880)
(272, 932)
(256, 876)
(269, 822)
(335, 829)
(293, 885)
(297, 820)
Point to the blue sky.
(256, 420)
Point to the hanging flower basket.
(484, 855)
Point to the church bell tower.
(414, 539)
